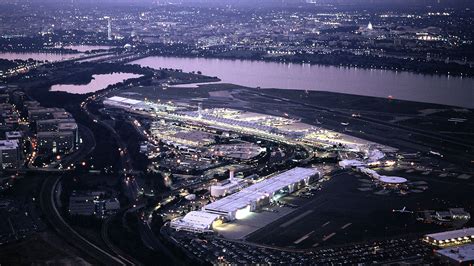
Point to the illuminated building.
(55, 142)
(196, 221)
(370, 26)
(228, 186)
(451, 238)
(251, 198)
(120, 102)
(10, 152)
(58, 125)
(109, 29)
(240, 204)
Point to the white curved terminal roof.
(260, 190)
(124, 100)
(393, 179)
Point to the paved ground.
(340, 214)
(241, 228)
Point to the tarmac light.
(242, 213)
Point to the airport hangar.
(240, 204)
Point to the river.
(456, 91)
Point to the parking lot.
(215, 250)
(340, 213)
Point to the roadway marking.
(328, 236)
(303, 238)
(315, 245)
(326, 223)
(296, 218)
(346, 225)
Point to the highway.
(48, 206)
(105, 237)
(131, 189)
(87, 146)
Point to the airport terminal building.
(238, 205)
(253, 197)
(126, 103)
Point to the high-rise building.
(43, 113)
(55, 142)
(9, 154)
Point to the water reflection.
(379, 83)
(99, 82)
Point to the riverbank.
(375, 83)
(344, 59)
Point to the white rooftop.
(228, 183)
(393, 179)
(8, 144)
(197, 220)
(66, 126)
(13, 134)
(351, 163)
(124, 100)
(453, 234)
(460, 254)
(260, 190)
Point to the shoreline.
(279, 60)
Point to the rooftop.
(67, 126)
(196, 219)
(124, 100)
(8, 144)
(393, 179)
(260, 190)
(13, 134)
(460, 254)
(54, 134)
(469, 232)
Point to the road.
(131, 187)
(105, 237)
(48, 206)
(87, 146)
